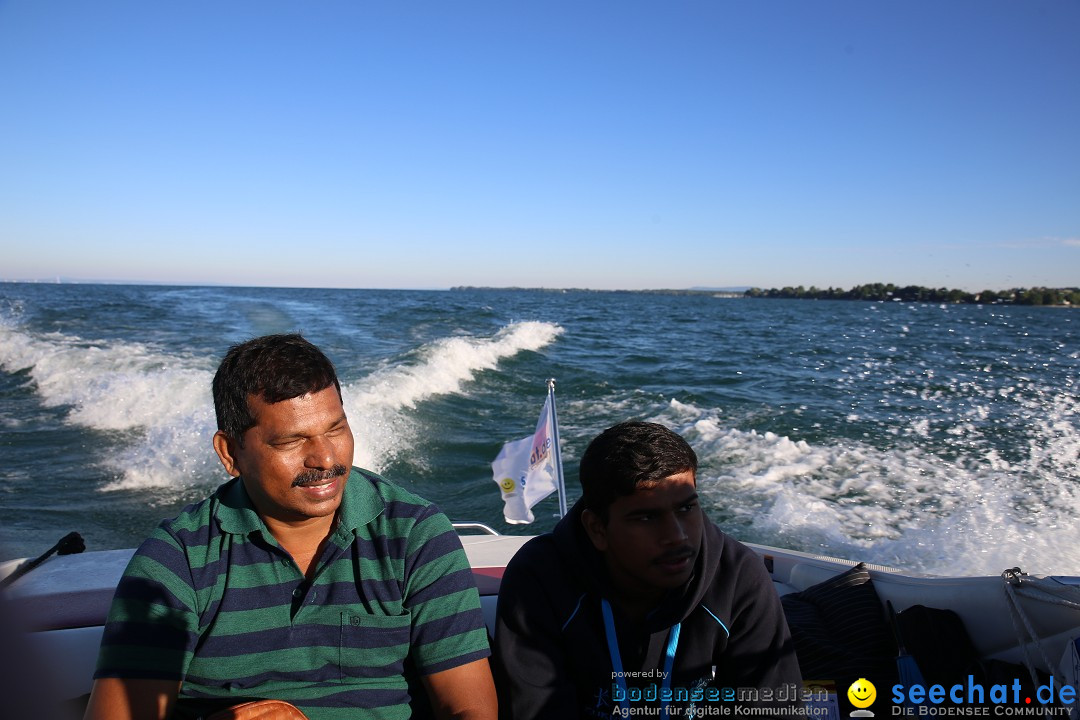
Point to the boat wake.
(442, 367)
(160, 408)
(902, 506)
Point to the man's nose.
(320, 452)
(674, 529)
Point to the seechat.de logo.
(974, 698)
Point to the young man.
(637, 603)
(299, 580)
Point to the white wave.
(118, 386)
(902, 506)
(442, 367)
(169, 456)
(1055, 445)
(164, 402)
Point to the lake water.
(939, 438)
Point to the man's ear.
(223, 446)
(595, 528)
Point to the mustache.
(675, 555)
(313, 477)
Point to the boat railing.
(482, 528)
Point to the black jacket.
(551, 653)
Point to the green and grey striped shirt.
(212, 600)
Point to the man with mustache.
(636, 603)
(303, 579)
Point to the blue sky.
(596, 143)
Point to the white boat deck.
(65, 600)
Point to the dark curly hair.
(627, 455)
(272, 367)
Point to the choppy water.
(936, 438)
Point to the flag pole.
(555, 448)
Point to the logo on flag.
(525, 470)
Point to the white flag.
(525, 470)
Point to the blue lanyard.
(616, 659)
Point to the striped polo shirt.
(212, 600)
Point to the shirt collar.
(235, 513)
(361, 504)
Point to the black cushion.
(840, 631)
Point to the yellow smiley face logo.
(507, 484)
(862, 693)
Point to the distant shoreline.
(878, 292)
(874, 292)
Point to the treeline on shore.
(917, 293)
(1064, 297)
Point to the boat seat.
(783, 588)
(804, 575)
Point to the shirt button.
(286, 562)
(297, 593)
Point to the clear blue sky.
(596, 143)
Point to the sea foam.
(163, 402)
(901, 506)
(442, 367)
